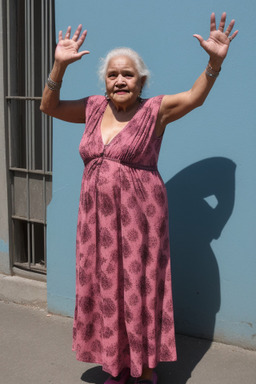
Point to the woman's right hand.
(66, 52)
(67, 49)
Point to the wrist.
(215, 64)
(53, 85)
(58, 71)
(210, 72)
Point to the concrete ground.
(35, 348)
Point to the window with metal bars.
(30, 45)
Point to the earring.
(106, 95)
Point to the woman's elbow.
(45, 108)
(42, 108)
(200, 103)
(195, 101)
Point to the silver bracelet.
(53, 85)
(211, 73)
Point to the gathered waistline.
(131, 165)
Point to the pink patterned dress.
(124, 311)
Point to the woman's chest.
(111, 126)
(109, 130)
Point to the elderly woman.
(124, 315)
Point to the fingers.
(60, 36)
(229, 30)
(82, 53)
(222, 22)
(213, 23)
(81, 38)
(233, 35)
(77, 32)
(199, 38)
(222, 26)
(75, 36)
(67, 35)
(230, 27)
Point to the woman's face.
(123, 83)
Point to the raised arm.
(174, 107)
(66, 53)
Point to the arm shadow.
(201, 200)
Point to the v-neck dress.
(124, 310)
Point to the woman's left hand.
(219, 40)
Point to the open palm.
(67, 48)
(217, 44)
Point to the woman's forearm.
(204, 84)
(51, 98)
(68, 110)
(174, 107)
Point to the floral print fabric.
(124, 312)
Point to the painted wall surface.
(207, 160)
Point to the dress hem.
(114, 374)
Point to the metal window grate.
(30, 44)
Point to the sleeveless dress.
(124, 310)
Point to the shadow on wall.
(201, 199)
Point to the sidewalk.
(36, 349)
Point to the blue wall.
(207, 161)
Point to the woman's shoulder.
(153, 102)
(95, 99)
(94, 102)
(94, 105)
(153, 99)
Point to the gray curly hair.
(123, 51)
